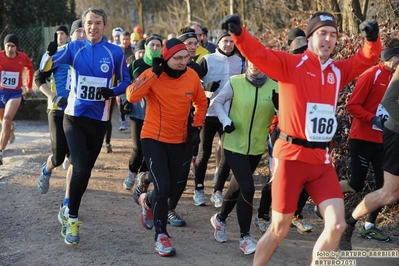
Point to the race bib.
(321, 123)
(87, 88)
(9, 80)
(381, 112)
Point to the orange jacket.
(168, 104)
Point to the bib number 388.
(87, 88)
(321, 123)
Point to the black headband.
(187, 35)
(388, 53)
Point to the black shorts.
(391, 152)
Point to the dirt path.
(112, 233)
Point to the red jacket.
(364, 101)
(304, 81)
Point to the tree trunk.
(188, 10)
(352, 17)
(140, 13)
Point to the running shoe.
(199, 198)
(301, 226)
(217, 198)
(141, 187)
(108, 148)
(63, 219)
(129, 180)
(247, 245)
(11, 139)
(122, 126)
(175, 220)
(163, 246)
(261, 224)
(72, 233)
(374, 233)
(345, 243)
(146, 213)
(220, 229)
(43, 183)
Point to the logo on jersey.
(330, 78)
(104, 68)
(189, 95)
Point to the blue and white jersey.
(93, 66)
(60, 83)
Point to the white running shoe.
(220, 229)
(199, 198)
(129, 180)
(217, 198)
(247, 245)
(122, 126)
(261, 224)
(163, 246)
(301, 225)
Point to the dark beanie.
(187, 35)
(63, 28)
(140, 46)
(171, 47)
(76, 25)
(154, 37)
(221, 34)
(318, 20)
(11, 38)
(293, 34)
(298, 45)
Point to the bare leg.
(388, 194)
(8, 115)
(277, 231)
(334, 225)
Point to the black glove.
(232, 23)
(60, 101)
(52, 47)
(194, 137)
(157, 65)
(378, 122)
(370, 30)
(127, 107)
(229, 128)
(106, 92)
(212, 86)
(275, 99)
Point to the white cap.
(117, 31)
